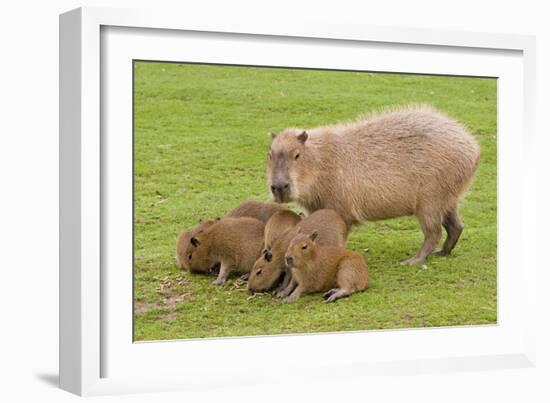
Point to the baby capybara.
(250, 208)
(280, 223)
(183, 242)
(270, 266)
(410, 161)
(234, 243)
(255, 209)
(315, 268)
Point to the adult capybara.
(250, 208)
(318, 268)
(280, 223)
(410, 161)
(234, 243)
(270, 266)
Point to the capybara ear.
(313, 235)
(302, 137)
(302, 214)
(268, 256)
(201, 220)
(273, 135)
(195, 242)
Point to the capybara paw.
(244, 277)
(218, 281)
(336, 295)
(439, 252)
(412, 260)
(290, 299)
(281, 294)
(329, 293)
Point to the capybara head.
(198, 254)
(287, 164)
(182, 257)
(267, 270)
(302, 249)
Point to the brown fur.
(318, 268)
(250, 208)
(411, 161)
(234, 243)
(279, 223)
(329, 225)
(182, 261)
(255, 209)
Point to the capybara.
(280, 223)
(255, 209)
(182, 261)
(409, 161)
(250, 208)
(334, 269)
(270, 266)
(234, 243)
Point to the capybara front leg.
(284, 283)
(289, 288)
(453, 226)
(295, 295)
(431, 227)
(222, 275)
(244, 277)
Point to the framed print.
(237, 199)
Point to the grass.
(200, 147)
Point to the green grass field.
(200, 148)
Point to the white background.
(29, 212)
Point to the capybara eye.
(297, 155)
(259, 272)
(304, 247)
(190, 256)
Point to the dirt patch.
(142, 307)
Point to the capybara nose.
(280, 187)
(289, 260)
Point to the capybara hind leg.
(453, 226)
(329, 293)
(338, 293)
(431, 227)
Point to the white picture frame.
(96, 354)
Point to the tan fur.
(411, 161)
(255, 209)
(234, 243)
(317, 268)
(279, 223)
(329, 225)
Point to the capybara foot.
(412, 261)
(291, 298)
(439, 252)
(218, 281)
(281, 293)
(329, 293)
(244, 277)
(335, 294)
